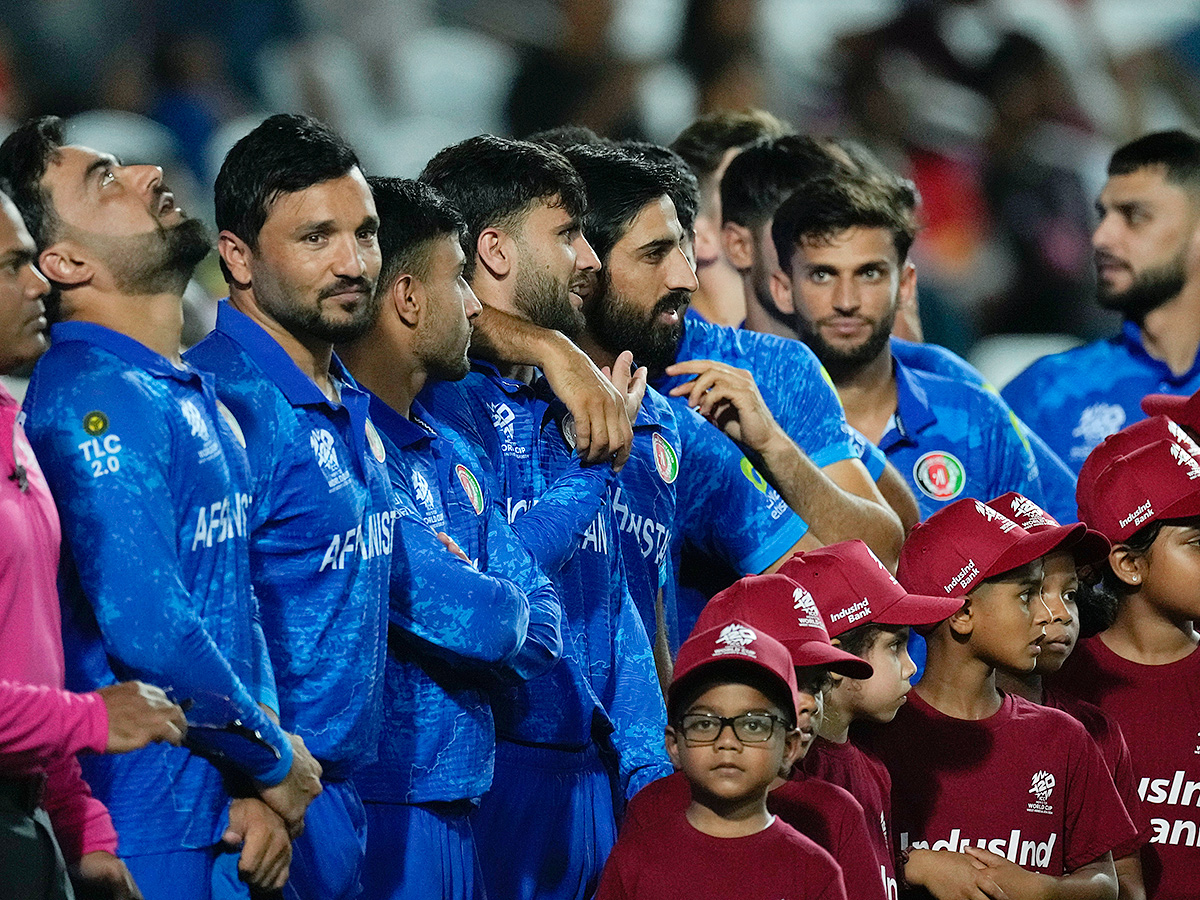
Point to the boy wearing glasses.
(732, 708)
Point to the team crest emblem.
(940, 475)
(666, 460)
(737, 639)
(469, 483)
(375, 443)
(95, 423)
(567, 426)
(232, 422)
(1042, 785)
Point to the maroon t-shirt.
(671, 860)
(820, 811)
(868, 781)
(1158, 708)
(1026, 783)
(1109, 738)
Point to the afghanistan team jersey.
(606, 679)
(1078, 398)
(951, 439)
(154, 498)
(795, 386)
(321, 537)
(1058, 481)
(458, 628)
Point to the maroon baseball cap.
(1143, 473)
(852, 587)
(967, 541)
(1088, 548)
(786, 611)
(735, 641)
(1184, 410)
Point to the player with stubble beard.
(139, 453)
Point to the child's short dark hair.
(730, 671)
(860, 639)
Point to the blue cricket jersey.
(458, 629)
(791, 380)
(1057, 480)
(951, 439)
(605, 686)
(1076, 399)
(154, 496)
(321, 540)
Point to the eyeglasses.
(749, 728)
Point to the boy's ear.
(791, 752)
(739, 245)
(962, 623)
(672, 741)
(1128, 566)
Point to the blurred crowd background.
(1002, 111)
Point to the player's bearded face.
(1150, 288)
(546, 301)
(845, 358)
(619, 323)
(155, 262)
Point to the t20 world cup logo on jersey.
(940, 475)
(199, 427)
(1041, 786)
(325, 451)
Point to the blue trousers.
(416, 851)
(327, 859)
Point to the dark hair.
(1097, 605)
(687, 691)
(682, 187)
(411, 216)
(283, 155)
(828, 206)
(766, 173)
(562, 136)
(25, 156)
(494, 182)
(1178, 152)
(861, 639)
(619, 185)
(703, 143)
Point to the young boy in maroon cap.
(827, 814)
(1061, 591)
(868, 614)
(993, 795)
(1141, 489)
(732, 713)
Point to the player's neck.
(760, 320)
(959, 684)
(601, 356)
(311, 355)
(729, 819)
(389, 373)
(1171, 333)
(728, 307)
(154, 320)
(1027, 686)
(869, 395)
(1143, 633)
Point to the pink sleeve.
(81, 822)
(40, 724)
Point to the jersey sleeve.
(1013, 465)
(1096, 820)
(39, 724)
(122, 534)
(803, 400)
(554, 526)
(871, 456)
(81, 822)
(724, 507)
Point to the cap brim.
(1035, 546)
(1091, 548)
(1169, 405)
(918, 610)
(818, 653)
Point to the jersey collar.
(121, 345)
(402, 432)
(1131, 334)
(913, 410)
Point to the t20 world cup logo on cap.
(737, 639)
(940, 475)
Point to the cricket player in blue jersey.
(686, 482)
(464, 623)
(299, 250)
(844, 244)
(578, 740)
(755, 183)
(155, 499)
(1147, 269)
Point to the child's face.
(1172, 572)
(728, 769)
(1008, 620)
(878, 698)
(1059, 586)
(813, 684)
